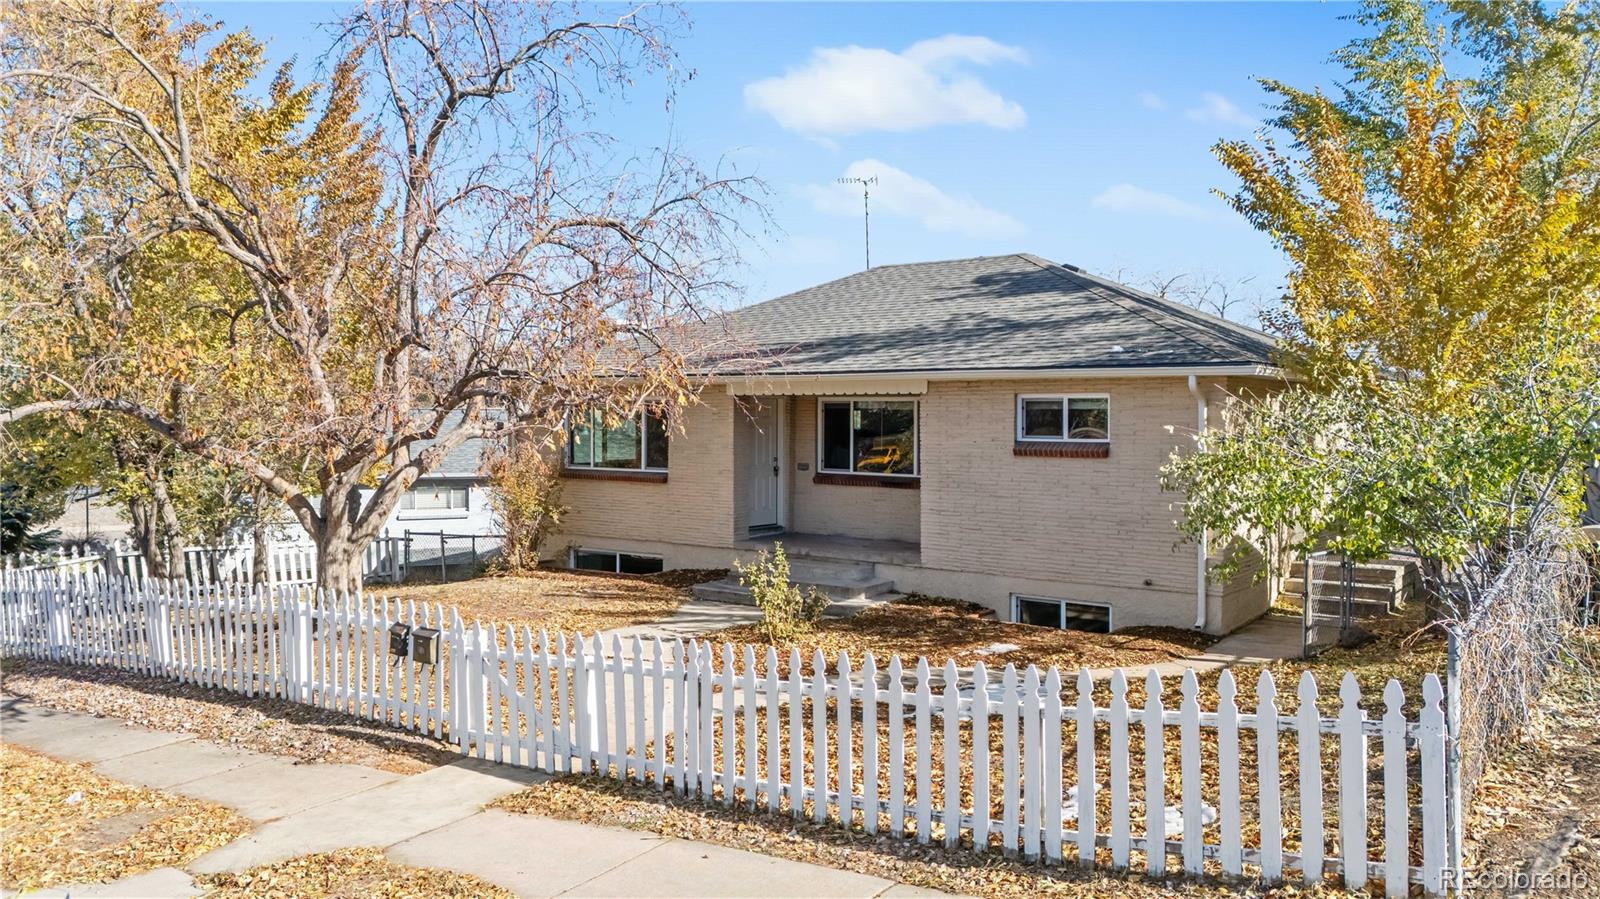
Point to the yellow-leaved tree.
(1436, 270)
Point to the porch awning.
(814, 385)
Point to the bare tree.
(385, 281)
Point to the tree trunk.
(261, 547)
(1435, 605)
(170, 531)
(146, 536)
(339, 547)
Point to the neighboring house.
(453, 497)
(990, 429)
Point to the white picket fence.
(1007, 763)
(289, 564)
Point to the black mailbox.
(425, 645)
(399, 639)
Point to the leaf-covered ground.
(64, 823)
(1537, 812)
(347, 874)
(960, 871)
(560, 600)
(275, 726)
(951, 629)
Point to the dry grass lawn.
(347, 874)
(560, 600)
(64, 823)
(951, 629)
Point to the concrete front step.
(847, 596)
(1366, 573)
(1328, 588)
(1360, 608)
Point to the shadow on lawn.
(389, 748)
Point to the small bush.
(525, 494)
(786, 612)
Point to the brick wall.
(1094, 529)
(694, 506)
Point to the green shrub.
(786, 612)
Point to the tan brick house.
(990, 429)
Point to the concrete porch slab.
(832, 546)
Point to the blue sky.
(1080, 132)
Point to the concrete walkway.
(433, 819)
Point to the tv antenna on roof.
(866, 210)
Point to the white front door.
(763, 466)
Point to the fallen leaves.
(951, 629)
(64, 823)
(273, 726)
(347, 874)
(962, 871)
(564, 601)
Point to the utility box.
(425, 645)
(399, 639)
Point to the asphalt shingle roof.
(1014, 312)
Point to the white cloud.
(1215, 109)
(903, 195)
(1135, 199)
(1152, 100)
(849, 90)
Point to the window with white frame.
(867, 436)
(1063, 418)
(615, 562)
(434, 498)
(1061, 613)
(638, 443)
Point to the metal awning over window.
(812, 385)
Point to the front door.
(763, 467)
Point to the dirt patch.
(559, 600)
(274, 726)
(952, 629)
(347, 873)
(64, 823)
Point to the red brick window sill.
(614, 474)
(1062, 450)
(866, 480)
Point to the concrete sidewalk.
(434, 819)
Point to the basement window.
(615, 562)
(1061, 613)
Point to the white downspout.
(1200, 579)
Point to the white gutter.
(1200, 580)
(973, 374)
